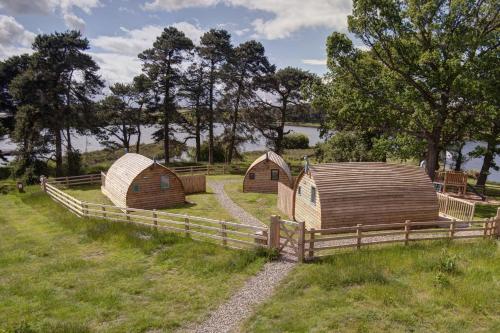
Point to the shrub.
(296, 141)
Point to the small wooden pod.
(346, 194)
(139, 182)
(265, 173)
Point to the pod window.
(252, 175)
(275, 174)
(164, 182)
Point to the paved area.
(229, 316)
(236, 211)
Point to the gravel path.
(229, 316)
(236, 211)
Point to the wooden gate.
(287, 237)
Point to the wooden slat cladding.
(194, 183)
(135, 181)
(304, 210)
(364, 193)
(285, 200)
(258, 176)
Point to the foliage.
(347, 147)
(215, 49)
(389, 289)
(295, 141)
(271, 113)
(419, 74)
(218, 152)
(162, 65)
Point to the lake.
(90, 143)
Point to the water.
(90, 143)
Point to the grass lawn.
(60, 273)
(201, 204)
(260, 205)
(425, 287)
(485, 211)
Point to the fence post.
(127, 214)
(407, 231)
(186, 226)
(86, 211)
(103, 208)
(274, 232)
(311, 243)
(67, 181)
(446, 205)
(359, 236)
(301, 241)
(223, 234)
(485, 227)
(452, 228)
(155, 219)
(473, 212)
(43, 183)
(496, 225)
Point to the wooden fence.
(289, 238)
(454, 208)
(293, 239)
(194, 183)
(285, 200)
(76, 180)
(230, 234)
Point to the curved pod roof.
(273, 157)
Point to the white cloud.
(318, 62)
(74, 22)
(45, 7)
(289, 15)
(171, 5)
(14, 38)
(137, 40)
(241, 32)
(117, 67)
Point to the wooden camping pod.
(265, 173)
(139, 182)
(345, 194)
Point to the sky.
(292, 31)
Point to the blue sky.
(292, 31)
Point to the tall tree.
(194, 93)
(62, 82)
(142, 94)
(427, 50)
(215, 48)
(162, 64)
(118, 117)
(246, 64)
(284, 95)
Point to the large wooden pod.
(265, 173)
(344, 194)
(139, 182)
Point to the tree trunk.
(487, 161)
(138, 143)
(59, 159)
(198, 135)
(211, 116)
(432, 157)
(460, 157)
(281, 128)
(126, 138)
(234, 125)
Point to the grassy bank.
(260, 205)
(60, 273)
(425, 287)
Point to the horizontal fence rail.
(451, 207)
(289, 238)
(320, 242)
(230, 234)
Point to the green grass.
(425, 287)
(260, 205)
(60, 273)
(201, 204)
(485, 211)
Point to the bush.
(296, 141)
(347, 147)
(219, 153)
(5, 172)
